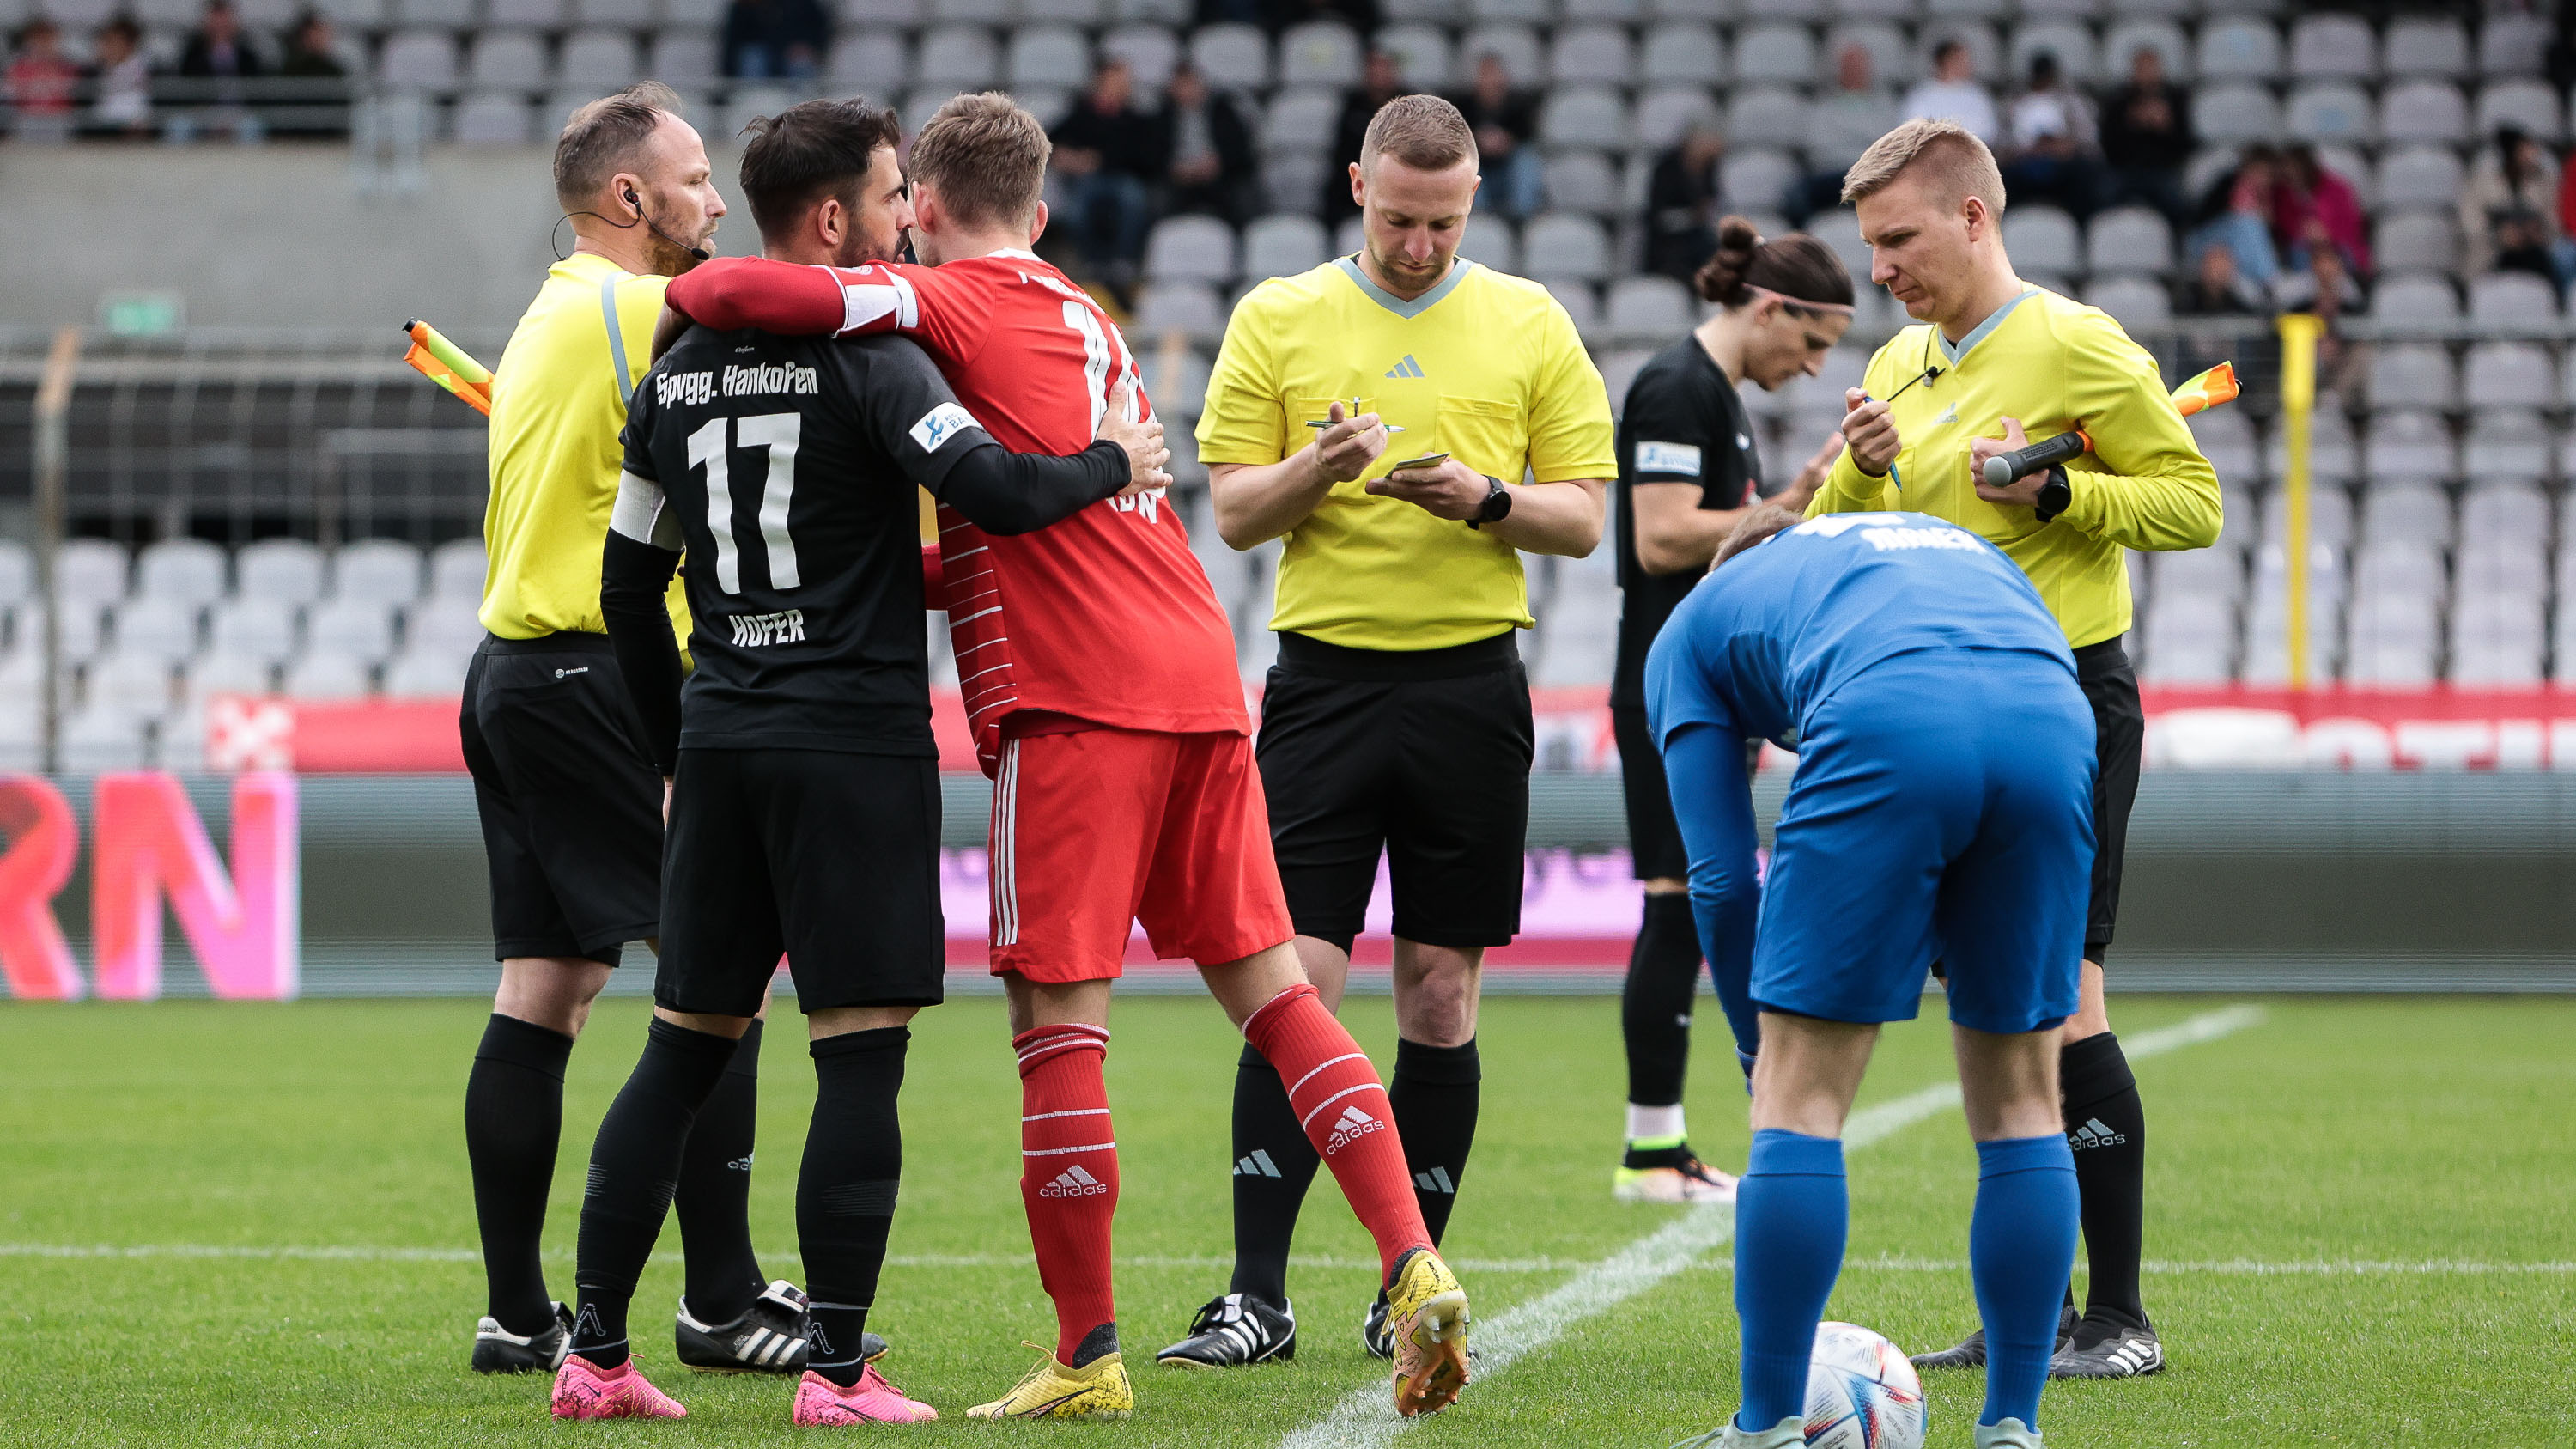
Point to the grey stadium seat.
(2238, 50)
(1558, 246)
(445, 625)
(2511, 297)
(2135, 301)
(1666, 113)
(1064, 12)
(1492, 241)
(900, 14)
(1423, 55)
(17, 571)
(1753, 179)
(1152, 52)
(1419, 12)
(506, 58)
(1516, 46)
(2042, 239)
(448, 14)
(1611, 12)
(1177, 382)
(2228, 439)
(1681, 53)
(1892, 62)
(418, 675)
(1301, 121)
(1591, 55)
(747, 102)
(2419, 177)
(2525, 103)
(2413, 375)
(377, 570)
(132, 684)
(1190, 249)
(1985, 51)
(2496, 639)
(1319, 53)
(288, 570)
(2234, 114)
(528, 14)
(2427, 45)
(1619, 371)
(354, 627)
(1766, 116)
(493, 120)
(189, 570)
(1282, 246)
(418, 58)
(1582, 181)
(2071, 43)
(327, 676)
(2510, 375)
(162, 629)
(229, 674)
(873, 62)
(683, 58)
(2331, 452)
(90, 570)
(601, 59)
(1233, 57)
(2506, 443)
(974, 12)
(2130, 36)
(1582, 305)
(2427, 241)
(2128, 239)
(1529, 12)
(2512, 44)
(2411, 446)
(637, 14)
(2432, 111)
(2332, 111)
(456, 569)
(2406, 516)
(703, 15)
(1047, 55)
(2413, 298)
(957, 55)
(1642, 309)
(1584, 116)
(2333, 47)
(1769, 54)
(262, 629)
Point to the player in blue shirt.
(1942, 811)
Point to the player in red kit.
(1099, 679)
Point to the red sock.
(1337, 1097)
(1068, 1174)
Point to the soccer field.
(231, 1224)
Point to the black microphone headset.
(641, 219)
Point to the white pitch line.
(1367, 1417)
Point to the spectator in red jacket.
(2314, 206)
(42, 81)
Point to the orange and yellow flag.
(446, 364)
(2218, 385)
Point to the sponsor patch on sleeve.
(1680, 458)
(940, 424)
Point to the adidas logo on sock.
(2094, 1134)
(1407, 368)
(1436, 1180)
(1257, 1165)
(1074, 1182)
(1353, 1125)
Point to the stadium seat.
(2497, 640)
(2417, 375)
(2135, 301)
(2431, 111)
(1664, 114)
(2506, 443)
(502, 59)
(2132, 35)
(958, 56)
(2511, 375)
(2511, 297)
(163, 629)
(188, 570)
(456, 570)
(2042, 239)
(2427, 241)
(1282, 246)
(2506, 513)
(1561, 247)
(2070, 42)
(492, 120)
(1611, 12)
(1582, 181)
(2332, 456)
(1591, 55)
(1319, 53)
(705, 16)
(1231, 56)
(2128, 239)
(1985, 51)
(683, 58)
(2332, 111)
(1421, 12)
(598, 59)
(2512, 44)
(1177, 381)
(1292, 180)
(1681, 53)
(1756, 179)
(320, 675)
(2413, 298)
(130, 681)
(2427, 45)
(2410, 446)
(1423, 56)
(445, 14)
(1892, 62)
(432, 674)
(638, 14)
(1063, 12)
(1619, 371)
(1584, 116)
(376, 570)
(90, 570)
(442, 624)
(2419, 177)
(1516, 46)
(218, 673)
(17, 572)
(2333, 47)
(1526, 12)
(1152, 53)
(1047, 55)
(1891, 10)
(873, 62)
(1646, 309)
(527, 14)
(1582, 305)
(745, 103)
(357, 628)
(2406, 515)
(2238, 50)
(2228, 439)
(252, 628)
(1770, 54)
(1765, 116)
(894, 14)
(81, 629)
(1300, 121)
(2525, 103)
(424, 59)
(1190, 249)
(102, 738)
(2393, 638)
(2236, 114)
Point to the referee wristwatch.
(1498, 503)
(2055, 494)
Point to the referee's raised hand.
(1870, 432)
(1345, 449)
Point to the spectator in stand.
(2325, 286)
(2236, 212)
(2053, 152)
(222, 63)
(1840, 125)
(1381, 81)
(1109, 154)
(1359, 15)
(2217, 289)
(122, 77)
(43, 83)
(313, 60)
(1951, 93)
(776, 39)
(2507, 206)
(2146, 133)
(1505, 119)
(1681, 203)
(1208, 159)
(2312, 207)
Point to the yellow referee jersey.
(1484, 367)
(558, 405)
(2055, 364)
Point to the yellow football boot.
(1427, 1316)
(1050, 1390)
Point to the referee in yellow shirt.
(1991, 363)
(1397, 720)
(571, 807)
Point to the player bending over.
(805, 797)
(1942, 809)
(1099, 679)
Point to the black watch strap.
(1498, 503)
(2055, 493)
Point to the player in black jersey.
(1688, 468)
(805, 798)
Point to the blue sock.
(2021, 1247)
(1791, 1214)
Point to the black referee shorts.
(828, 857)
(2110, 685)
(1423, 756)
(571, 806)
(1654, 836)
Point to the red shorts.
(1094, 829)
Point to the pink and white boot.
(869, 1401)
(583, 1390)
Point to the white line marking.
(1366, 1416)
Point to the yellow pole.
(2298, 400)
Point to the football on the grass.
(1861, 1393)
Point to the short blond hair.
(1424, 132)
(1948, 155)
(986, 156)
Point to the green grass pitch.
(2362, 1215)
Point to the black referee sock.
(1435, 1095)
(845, 1193)
(513, 1121)
(2107, 1129)
(634, 1169)
(714, 1201)
(1274, 1164)
(1655, 1003)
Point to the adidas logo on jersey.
(1949, 414)
(1257, 1165)
(1436, 1180)
(1074, 1182)
(2094, 1134)
(1354, 1125)
(1407, 368)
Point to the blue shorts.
(1942, 810)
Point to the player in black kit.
(1688, 467)
(805, 797)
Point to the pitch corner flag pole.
(2298, 401)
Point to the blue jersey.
(1764, 640)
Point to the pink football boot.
(869, 1401)
(583, 1390)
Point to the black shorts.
(829, 858)
(571, 806)
(1423, 756)
(2110, 685)
(1654, 837)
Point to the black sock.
(845, 1191)
(1655, 1006)
(2108, 1131)
(634, 1168)
(1434, 1095)
(714, 1200)
(1274, 1164)
(513, 1119)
